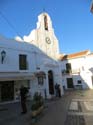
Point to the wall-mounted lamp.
(3, 55)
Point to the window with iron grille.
(23, 62)
(79, 82)
(68, 68)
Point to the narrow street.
(74, 108)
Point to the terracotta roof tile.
(75, 55)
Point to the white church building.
(30, 61)
(35, 62)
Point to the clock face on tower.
(48, 40)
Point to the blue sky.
(72, 21)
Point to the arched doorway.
(51, 82)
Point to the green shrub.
(37, 101)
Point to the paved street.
(10, 114)
(74, 108)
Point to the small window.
(22, 62)
(68, 66)
(40, 80)
(79, 81)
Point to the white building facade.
(77, 70)
(31, 61)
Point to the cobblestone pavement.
(74, 116)
(82, 109)
(74, 108)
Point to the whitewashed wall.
(85, 65)
(13, 49)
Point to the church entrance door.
(51, 82)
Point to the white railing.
(75, 71)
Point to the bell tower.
(44, 37)
(47, 40)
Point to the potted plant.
(37, 104)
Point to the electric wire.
(9, 23)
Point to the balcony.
(69, 72)
(65, 72)
(75, 71)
